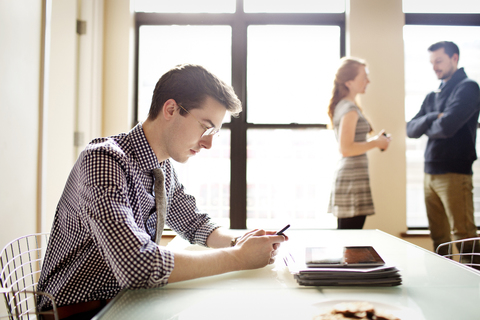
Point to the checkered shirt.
(103, 234)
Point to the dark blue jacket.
(451, 138)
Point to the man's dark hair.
(449, 47)
(189, 85)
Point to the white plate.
(400, 312)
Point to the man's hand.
(440, 115)
(253, 250)
(257, 248)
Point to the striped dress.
(351, 195)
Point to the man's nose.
(206, 142)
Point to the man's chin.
(181, 160)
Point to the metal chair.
(21, 262)
(467, 251)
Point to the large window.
(294, 6)
(441, 6)
(288, 179)
(289, 70)
(420, 31)
(185, 6)
(273, 164)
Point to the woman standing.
(351, 198)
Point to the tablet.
(333, 257)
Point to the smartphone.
(385, 134)
(280, 233)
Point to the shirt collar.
(144, 154)
(457, 76)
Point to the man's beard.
(447, 75)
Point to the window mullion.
(238, 151)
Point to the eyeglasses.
(208, 131)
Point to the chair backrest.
(21, 263)
(465, 251)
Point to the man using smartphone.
(122, 189)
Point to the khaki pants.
(449, 203)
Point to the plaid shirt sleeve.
(134, 259)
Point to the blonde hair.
(348, 70)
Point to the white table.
(433, 287)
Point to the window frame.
(239, 22)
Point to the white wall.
(60, 109)
(21, 108)
(118, 67)
(20, 47)
(375, 33)
(35, 162)
(90, 73)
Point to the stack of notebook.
(344, 266)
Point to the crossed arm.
(441, 125)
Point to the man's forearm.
(221, 238)
(197, 264)
(418, 126)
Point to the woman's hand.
(382, 140)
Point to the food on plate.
(354, 310)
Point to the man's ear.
(169, 109)
(455, 57)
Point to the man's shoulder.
(111, 145)
(127, 150)
(107, 152)
(460, 79)
(467, 88)
(468, 82)
(105, 162)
